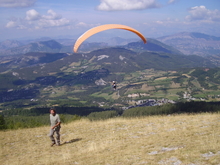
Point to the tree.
(2, 122)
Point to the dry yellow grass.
(175, 85)
(179, 140)
(146, 88)
(186, 75)
(52, 73)
(163, 78)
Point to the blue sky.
(70, 18)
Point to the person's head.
(53, 111)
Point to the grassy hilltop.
(178, 139)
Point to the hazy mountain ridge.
(185, 42)
(53, 46)
(7, 44)
(193, 43)
(119, 41)
(152, 46)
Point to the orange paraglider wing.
(98, 29)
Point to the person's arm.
(56, 125)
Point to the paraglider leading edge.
(98, 29)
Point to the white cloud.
(17, 3)
(81, 24)
(11, 24)
(52, 20)
(202, 13)
(32, 15)
(159, 22)
(14, 24)
(111, 5)
(171, 1)
(53, 23)
(52, 15)
(35, 20)
(21, 27)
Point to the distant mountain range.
(193, 43)
(50, 46)
(8, 44)
(9, 48)
(180, 43)
(116, 41)
(151, 46)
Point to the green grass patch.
(83, 102)
(103, 95)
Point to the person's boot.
(58, 142)
(53, 142)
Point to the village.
(149, 102)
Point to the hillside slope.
(48, 78)
(180, 139)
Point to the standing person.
(55, 127)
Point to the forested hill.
(113, 59)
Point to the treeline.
(80, 111)
(16, 122)
(167, 109)
(35, 117)
(40, 116)
(178, 108)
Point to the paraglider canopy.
(98, 29)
